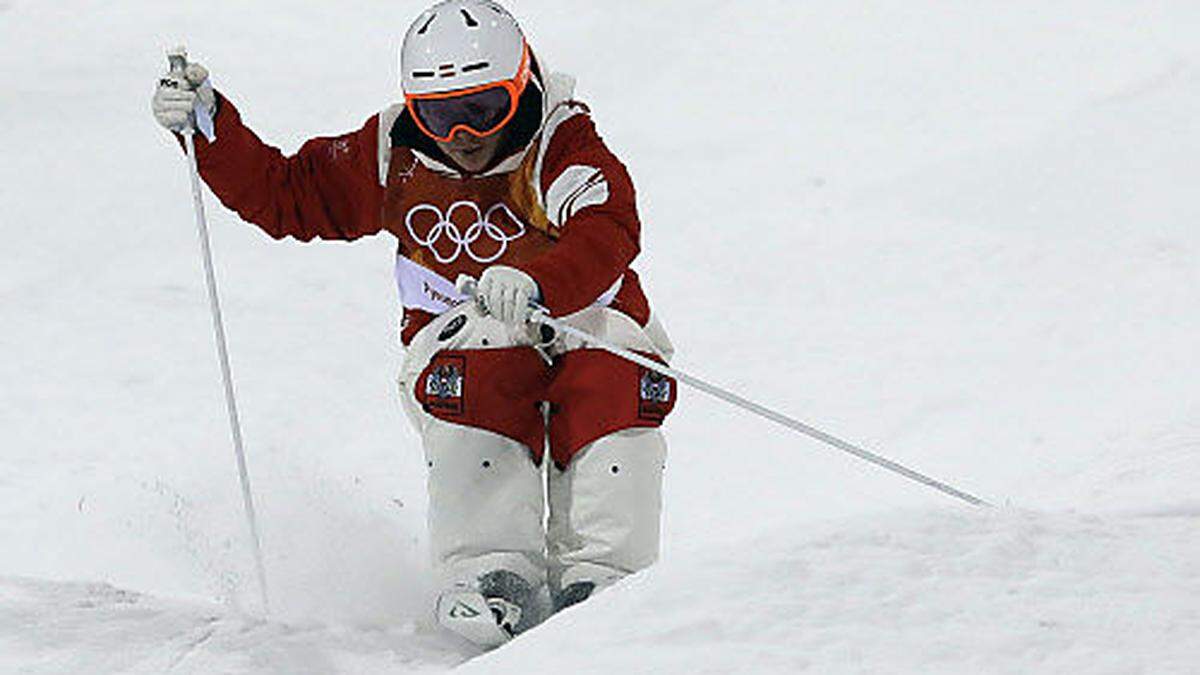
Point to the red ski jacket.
(559, 206)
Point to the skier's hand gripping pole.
(540, 315)
(184, 99)
(179, 69)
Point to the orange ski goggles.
(480, 111)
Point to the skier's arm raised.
(328, 190)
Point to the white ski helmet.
(460, 44)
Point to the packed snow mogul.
(489, 169)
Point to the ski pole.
(178, 62)
(541, 315)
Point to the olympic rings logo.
(462, 241)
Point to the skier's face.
(470, 152)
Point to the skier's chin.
(472, 161)
(472, 154)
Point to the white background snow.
(962, 234)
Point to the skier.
(489, 169)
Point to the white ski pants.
(489, 498)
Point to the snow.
(904, 592)
(91, 628)
(962, 236)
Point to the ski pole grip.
(177, 59)
(177, 77)
(469, 286)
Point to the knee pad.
(605, 509)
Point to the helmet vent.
(471, 22)
(423, 73)
(427, 24)
(475, 66)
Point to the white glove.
(177, 99)
(506, 293)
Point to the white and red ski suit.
(489, 405)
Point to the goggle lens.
(483, 112)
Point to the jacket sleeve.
(590, 200)
(328, 190)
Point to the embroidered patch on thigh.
(444, 385)
(498, 390)
(656, 393)
(595, 394)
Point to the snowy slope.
(95, 628)
(963, 236)
(908, 592)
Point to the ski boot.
(573, 595)
(498, 611)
